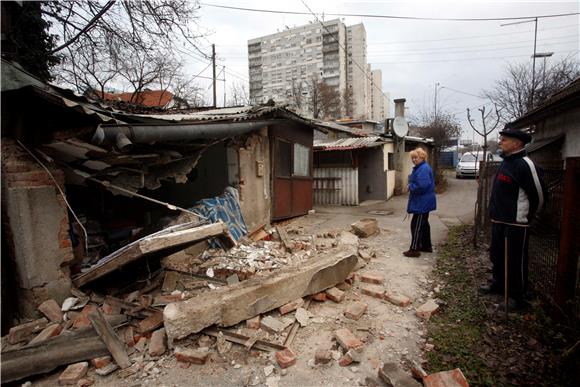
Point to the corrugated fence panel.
(338, 186)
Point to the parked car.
(468, 165)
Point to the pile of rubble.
(263, 300)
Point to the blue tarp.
(225, 208)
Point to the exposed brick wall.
(19, 173)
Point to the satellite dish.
(400, 126)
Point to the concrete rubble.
(260, 289)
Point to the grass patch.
(457, 331)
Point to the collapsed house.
(82, 180)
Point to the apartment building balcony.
(327, 48)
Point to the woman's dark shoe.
(412, 253)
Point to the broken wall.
(36, 229)
(254, 169)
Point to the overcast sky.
(414, 55)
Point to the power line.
(465, 59)
(428, 52)
(390, 16)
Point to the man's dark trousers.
(420, 232)
(517, 239)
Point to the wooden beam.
(150, 244)
(237, 338)
(109, 337)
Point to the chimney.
(400, 107)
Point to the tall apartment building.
(282, 66)
(379, 99)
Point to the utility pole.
(534, 64)
(224, 70)
(214, 76)
(436, 86)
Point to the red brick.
(321, 297)
(82, 320)
(101, 362)
(372, 278)
(157, 344)
(23, 331)
(398, 299)
(322, 356)
(64, 243)
(335, 294)
(347, 340)
(151, 323)
(427, 309)
(285, 358)
(291, 306)
(453, 378)
(355, 310)
(345, 360)
(373, 291)
(73, 373)
(50, 331)
(51, 309)
(253, 323)
(191, 355)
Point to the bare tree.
(315, 97)
(443, 128)
(512, 94)
(297, 94)
(109, 38)
(324, 101)
(239, 95)
(187, 94)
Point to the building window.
(301, 160)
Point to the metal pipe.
(149, 134)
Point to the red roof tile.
(149, 98)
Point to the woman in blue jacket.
(421, 202)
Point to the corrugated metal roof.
(232, 114)
(349, 143)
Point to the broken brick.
(355, 310)
(191, 355)
(106, 370)
(51, 309)
(320, 297)
(253, 323)
(291, 306)
(335, 294)
(50, 331)
(322, 356)
(285, 358)
(345, 360)
(398, 299)
(372, 278)
(347, 340)
(73, 373)
(373, 291)
(157, 344)
(427, 309)
(453, 378)
(365, 227)
(151, 323)
(101, 362)
(23, 331)
(82, 320)
(110, 309)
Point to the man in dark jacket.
(518, 193)
(421, 202)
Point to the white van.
(468, 165)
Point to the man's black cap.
(522, 136)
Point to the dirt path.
(390, 333)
